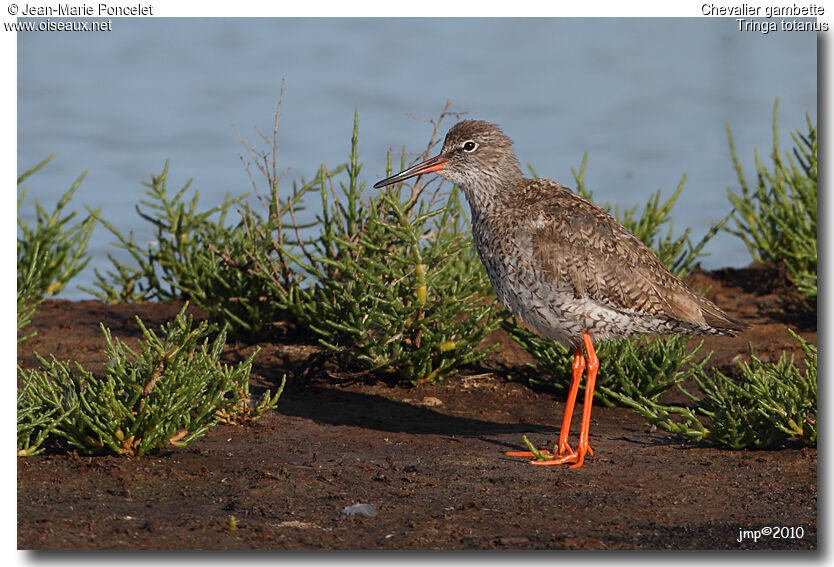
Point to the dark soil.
(429, 459)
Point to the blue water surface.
(647, 98)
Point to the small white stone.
(360, 510)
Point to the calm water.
(648, 98)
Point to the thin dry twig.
(268, 167)
(418, 188)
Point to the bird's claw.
(546, 458)
(565, 449)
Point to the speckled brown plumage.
(561, 264)
(564, 266)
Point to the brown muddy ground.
(429, 459)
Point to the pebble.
(360, 510)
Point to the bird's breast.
(518, 281)
(544, 301)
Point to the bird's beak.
(432, 164)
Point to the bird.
(563, 266)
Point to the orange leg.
(590, 383)
(567, 455)
(578, 367)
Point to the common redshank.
(562, 265)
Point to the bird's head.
(476, 155)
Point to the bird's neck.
(490, 195)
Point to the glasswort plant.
(777, 219)
(170, 392)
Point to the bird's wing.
(580, 245)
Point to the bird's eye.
(470, 146)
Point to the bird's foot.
(544, 457)
(565, 449)
(574, 458)
(547, 459)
